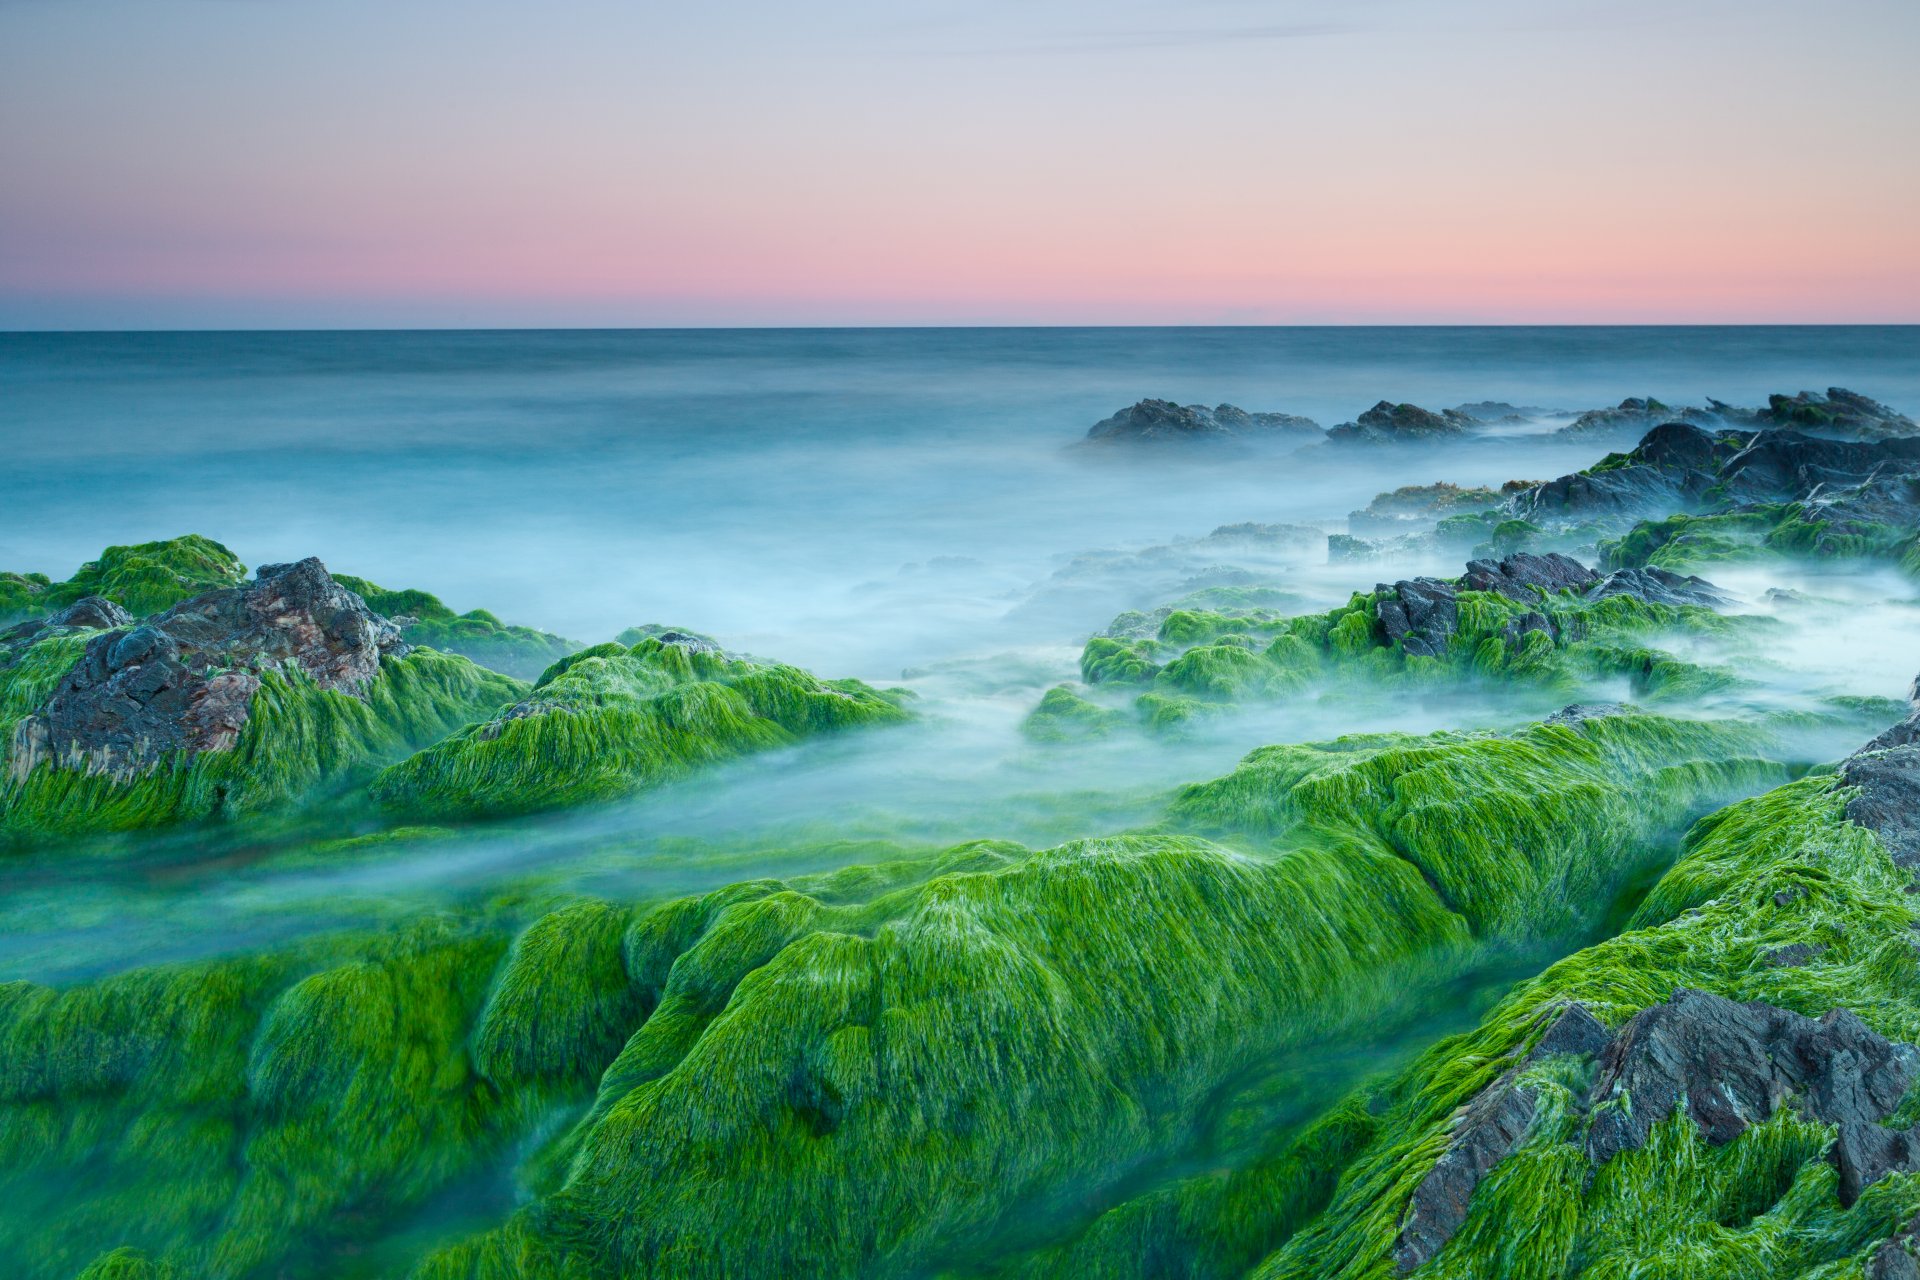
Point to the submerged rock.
(1389, 423)
(184, 680)
(1165, 420)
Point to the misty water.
(912, 507)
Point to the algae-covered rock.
(1163, 420)
(521, 652)
(609, 722)
(1390, 423)
(238, 699)
(141, 579)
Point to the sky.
(395, 163)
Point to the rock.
(1581, 712)
(1894, 1260)
(1485, 1132)
(1840, 414)
(1888, 800)
(1523, 576)
(1499, 411)
(90, 612)
(1389, 423)
(1733, 1065)
(1659, 586)
(184, 680)
(1165, 420)
(1416, 505)
(1793, 956)
(1421, 614)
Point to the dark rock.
(92, 612)
(1888, 800)
(1519, 628)
(1793, 956)
(1523, 576)
(1499, 411)
(1839, 413)
(1581, 712)
(1420, 614)
(1389, 423)
(1865, 1152)
(1893, 1260)
(1165, 420)
(1733, 1065)
(184, 680)
(1659, 586)
(1485, 1132)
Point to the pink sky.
(190, 162)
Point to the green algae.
(607, 723)
(1783, 868)
(1027, 1025)
(142, 579)
(299, 741)
(521, 652)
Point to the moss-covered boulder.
(608, 722)
(141, 579)
(521, 652)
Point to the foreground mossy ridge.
(612, 720)
(903, 1053)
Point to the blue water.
(782, 489)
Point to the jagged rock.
(1659, 586)
(1485, 1132)
(1839, 413)
(1581, 712)
(1519, 628)
(1888, 800)
(1389, 423)
(184, 680)
(1793, 956)
(1165, 420)
(1416, 505)
(88, 612)
(1421, 614)
(1733, 1065)
(1499, 411)
(1894, 1259)
(1523, 575)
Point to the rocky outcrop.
(1422, 615)
(1659, 586)
(1680, 468)
(1886, 776)
(1726, 1066)
(1733, 1065)
(1389, 423)
(1484, 1133)
(1524, 575)
(1840, 413)
(1165, 420)
(1420, 505)
(184, 680)
(88, 613)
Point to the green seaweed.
(611, 723)
(521, 652)
(142, 579)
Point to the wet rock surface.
(184, 680)
(1389, 423)
(1724, 1065)
(1524, 575)
(89, 612)
(1840, 412)
(1678, 467)
(1659, 586)
(1886, 772)
(1165, 420)
(1485, 1132)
